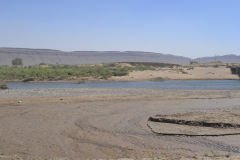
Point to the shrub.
(28, 80)
(190, 68)
(42, 64)
(17, 62)
(193, 62)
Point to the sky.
(191, 28)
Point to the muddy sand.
(108, 124)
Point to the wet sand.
(107, 123)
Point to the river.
(170, 84)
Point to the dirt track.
(106, 123)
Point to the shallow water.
(171, 84)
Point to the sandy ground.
(181, 73)
(107, 124)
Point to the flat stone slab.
(209, 123)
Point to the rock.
(3, 86)
(28, 80)
(19, 101)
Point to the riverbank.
(68, 124)
(117, 72)
(67, 72)
(182, 73)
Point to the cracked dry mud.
(107, 123)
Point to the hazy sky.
(190, 28)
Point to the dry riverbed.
(108, 124)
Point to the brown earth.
(107, 124)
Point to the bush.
(42, 64)
(193, 62)
(190, 68)
(17, 62)
(28, 80)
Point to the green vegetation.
(193, 62)
(17, 62)
(62, 72)
(214, 154)
(179, 70)
(190, 68)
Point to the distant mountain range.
(231, 58)
(37, 56)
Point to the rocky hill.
(231, 58)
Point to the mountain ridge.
(36, 56)
(228, 58)
(51, 56)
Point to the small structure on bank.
(3, 85)
(235, 70)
